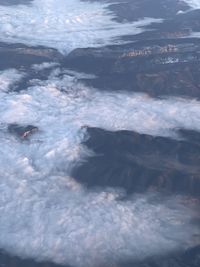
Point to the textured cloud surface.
(45, 214)
(193, 3)
(54, 218)
(61, 96)
(64, 25)
(8, 78)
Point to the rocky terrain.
(159, 68)
(161, 62)
(141, 162)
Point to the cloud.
(62, 96)
(54, 218)
(8, 78)
(65, 25)
(44, 65)
(195, 4)
(46, 214)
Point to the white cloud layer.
(53, 218)
(9, 78)
(61, 96)
(47, 215)
(64, 25)
(195, 4)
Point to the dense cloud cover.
(64, 25)
(68, 223)
(45, 213)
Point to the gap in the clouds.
(140, 163)
(22, 57)
(157, 67)
(130, 10)
(190, 135)
(8, 260)
(187, 258)
(181, 25)
(175, 28)
(14, 2)
(190, 256)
